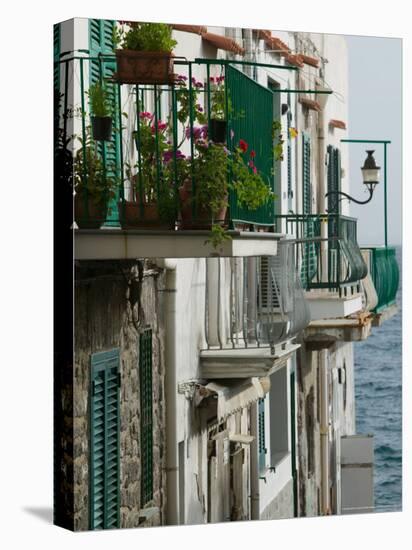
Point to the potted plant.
(218, 123)
(151, 201)
(145, 54)
(207, 206)
(102, 116)
(93, 184)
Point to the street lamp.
(370, 174)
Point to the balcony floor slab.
(118, 244)
(329, 305)
(384, 315)
(244, 362)
(326, 332)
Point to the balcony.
(186, 166)
(329, 261)
(384, 271)
(254, 308)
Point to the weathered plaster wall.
(113, 305)
(280, 507)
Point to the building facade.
(213, 380)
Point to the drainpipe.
(172, 457)
(324, 432)
(254, 464)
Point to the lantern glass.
(370, 175)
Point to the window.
(104, 440)
(146, 415)
(261, 434)
(279, 416)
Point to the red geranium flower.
(252, 154)
(243, 145)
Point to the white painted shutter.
(357, 474)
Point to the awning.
(310, 103)
(223, 43)
(233, 397)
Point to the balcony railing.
(328, 255)
(164, 165)
(384, 270)
(254, 302)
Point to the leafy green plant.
(150, 37)
(99, 100)
(90, 174)
(278, 139)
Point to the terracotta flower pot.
(132, 217)
(93, 217)
(204, 218)
(102, 128)
(138, 67)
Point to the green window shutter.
(261, 434)
(333, 182)
(306, 179)
(310, 227)
(100, 43)
(289, 151)
(56, 55)
(146, 415)
(104, 440)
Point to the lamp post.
(385, 146)
(370, 174)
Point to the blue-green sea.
(378, 387)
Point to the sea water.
(378, 388)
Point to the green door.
(104, 440)
(101, 70)
(146, 415)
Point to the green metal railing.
(328, 255)
(149, 170)
(384, 270)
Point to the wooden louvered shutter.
(289, 152)
(101, 70)
(334, 170)
(104, 440)
(56, 55)
(309, 228)
(261, 434)
(146, 415)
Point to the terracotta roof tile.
(333, 123)
(310, 103)
(313, 61)
(223, 43)
(196, 29)
(294, 59)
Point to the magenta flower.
(146, 114)
(161, 126)
(212, 79)
(181, 78)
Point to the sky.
(375, 112)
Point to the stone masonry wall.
(114, 303)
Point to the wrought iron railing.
(254, 302)
(384, 270)
(163, 163)
(328, 254)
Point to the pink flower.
(161, 126)
(212, 79)
(146, 114)
(254, 170)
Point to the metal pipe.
(172, 456)
(324, 431)
(254, 464)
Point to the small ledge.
(118, 244)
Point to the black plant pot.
(102, 128)
(218, 130)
